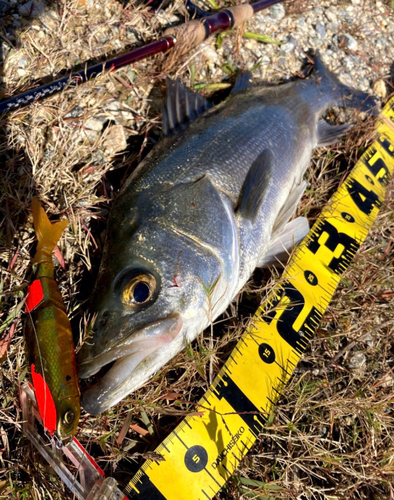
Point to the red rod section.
(79, 77)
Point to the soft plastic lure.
(49, 337)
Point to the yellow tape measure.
(203, 452)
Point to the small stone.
(132, 35)
(332, 28)
(277, 12)
(321, 30)
(32, 8)
(301, 23)
(289, 45)
(212, 55)
(316, 42)
(348, 41)
(358, 362)
(331, 16)
(379, 88)
(94, 124)
(388, 380)
(23, 62)
(112, 106)
(75, 112)
(368, 339)
(115, 140)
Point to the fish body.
(194, 220)
(49, 337)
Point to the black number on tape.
(196, 458)
(364, 198)
(347, 217)
(311, 278)
(334, 240)
(379, 170)
(266, 353)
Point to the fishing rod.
(193, 33)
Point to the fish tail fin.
(48, 234)
(342, 95)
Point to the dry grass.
(332, 434)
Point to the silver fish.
(198, 215)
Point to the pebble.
(289, 45)
(94, 124)
(75, 112)
(388, 380)
(301, 23)
(379, 88)
(32, 8)
(23, 62)
(277, 12)
(348, 41)
(368, 339)
(358, 362)
(331, 16)
(321, 30)
(115, 140)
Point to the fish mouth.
(128, 354)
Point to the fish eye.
(138, 288)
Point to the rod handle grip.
(196, 31)
(241, 13)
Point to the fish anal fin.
(256, 185)
(181, 107)
(329, 134)
(243, 82)
(283, 242)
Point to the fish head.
(150, 298)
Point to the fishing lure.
(49, 337)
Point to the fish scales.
(194, 220)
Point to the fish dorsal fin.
(329, 134)
(256, 185)
(243, 82)
(181, 107)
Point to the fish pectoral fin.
(329, 134)
(283, 242)
(243, 82)
(181, 107)
(256, 185)
(289, 207)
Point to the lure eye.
(138, 289)
(68, 417)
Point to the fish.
(210, 203)
(48, 336)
